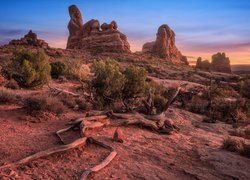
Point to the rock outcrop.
(164, 46)
(220, 63)
(30, 39)
(94, 37)
(203, 64)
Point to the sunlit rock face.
(30, 39)
(94, 37)
(164, 46)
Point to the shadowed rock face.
(30, 39)
(94, 37)
(220, 63)
(164, 46)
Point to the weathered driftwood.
(58, 91)
(45, 153)
(149, 103)
(83, 124)
(104, 163)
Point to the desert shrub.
(44, 103)
(227, 109)
(198, 105)
(6, 97)
(58, 69)
(233, 144)
(68, 100)
(111, 84)
(236, 145)
(30, 69)
(108, 81)
(159, 102)
(246, 150)
(135, 84)
(241, 132)
(76, 70)
(83, 104)
(245, 88)
(12, 84)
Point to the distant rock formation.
(203, 64)
(30, 39)
(220, 63)
(93, 37)
(164, 46)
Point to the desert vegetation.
(97, 110)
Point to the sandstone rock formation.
(203, 64)
(93, 37)
(220, 63)
(30, 39)
(164, 46)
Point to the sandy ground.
(192, 153)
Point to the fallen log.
(103, 164)
(58, 91)
(45, 153)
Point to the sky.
(202, 27)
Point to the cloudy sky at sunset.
(202, 27)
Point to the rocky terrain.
(99, 111)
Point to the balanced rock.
(30, 39)
(94, 37)
(164, 46)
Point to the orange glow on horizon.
(236, 57)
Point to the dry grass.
(236, 145)
(7, 97)
(12, 84)
(44, 103)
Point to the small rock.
(118, 136)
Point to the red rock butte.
(93, 37)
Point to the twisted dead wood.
(45, 153)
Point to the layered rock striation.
(164, 46)
(94, 37)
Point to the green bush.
(30, 69)
(135, 84)
(58, 69)
(111, 84)
(108, 81)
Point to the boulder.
(118, 136)
(93, 37)
(164, 46)
(30, 39)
